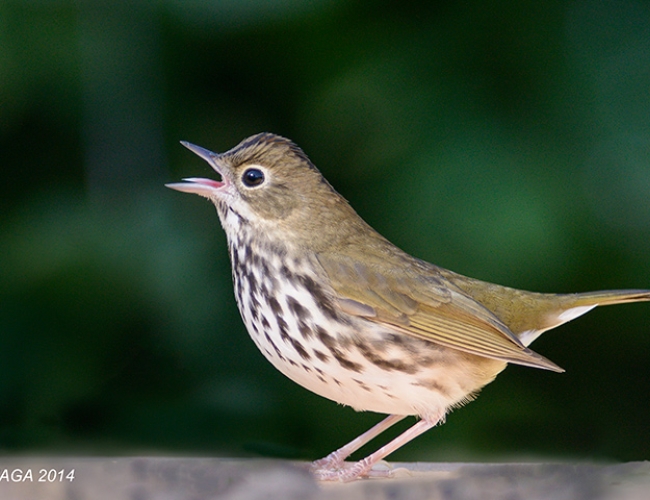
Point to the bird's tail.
(607, 297)
(573, 305)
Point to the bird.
(348, 315)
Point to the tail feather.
(577, 304)
(571, 306)
(607, 297)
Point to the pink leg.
(335, 459)
(362, 468)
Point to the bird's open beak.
(199, 185)
(206, 154)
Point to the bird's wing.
(418, 301)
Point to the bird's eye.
(253, 177)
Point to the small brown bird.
(345, 313)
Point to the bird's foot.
(344, 472)
(330, 462)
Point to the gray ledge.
(152, 478)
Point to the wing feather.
(418, 301)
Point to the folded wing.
(416, 300)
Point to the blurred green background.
(508, 141)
